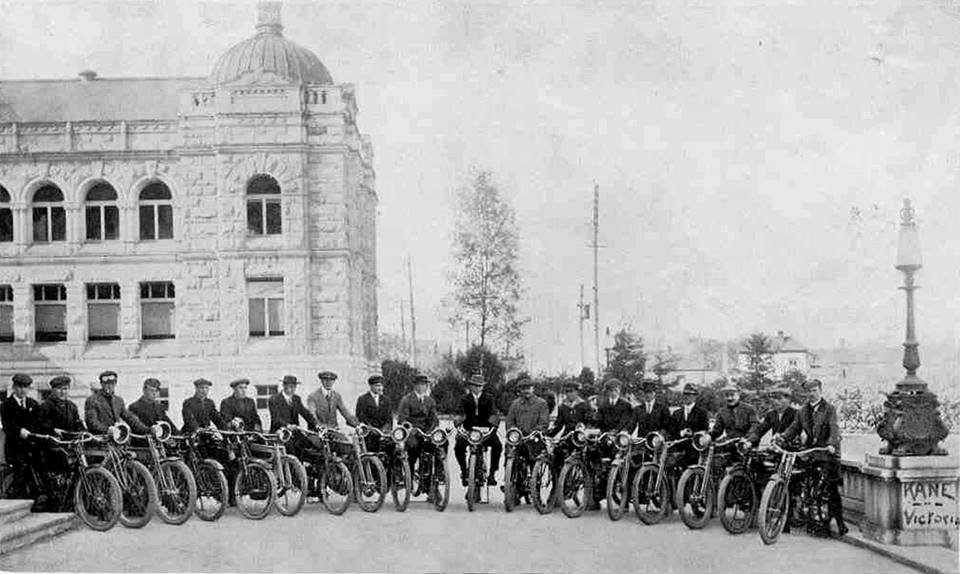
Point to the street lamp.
(911, 424)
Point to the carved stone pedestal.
(911, 501)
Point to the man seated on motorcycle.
(148, 408)
(776, 420)
(615, 414)
(818, 421)
(104, 408)
(57, 413)
(689, 419)
(652, 415)
(572, 413)
(374, 409)
(477, 409)
(19, 416)
(239, 410)
(736, 418)
(286, 410)
(325, 403)
(529, 413)
(419, 410)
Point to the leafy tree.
(759, 353)
(447, 392)
(397, 379)
(481, 360)
(665, 362)
(486, 281)
(627, 358)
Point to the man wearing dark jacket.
(148, 408)
(652, 415)
(736, 418)
(240, 410)
(57, 413)
(477, 409)
(18, 414)
(104, 408)
(419, 410)
(776, 420)
(614, 413)
(572, 411)
(689, 419)
(286, 409)
(375, 410)
(199, 411)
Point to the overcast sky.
(751, 156)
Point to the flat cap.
(237, 382)
(421, 379)
(691, 389)
(571, 385)
(730, 388)
(290, 380)
(59, 381)
(375, 380)
(327, 376)
(476, 379)
(21, 380)
(106, 374)
(813, 384)
(649, 386)
(611, 384)
(523, 381)
(151, 382)
(781, 391)
(201, 382)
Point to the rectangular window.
(264, 392)
(6, 314)
(265, 307)
(148, 229)
(165, 221)
(274, 226)
(103, 222)
(103, 312)
(6, 224)
(165, 398)
(264, 217)
(50, 313)
(254, 218)
(157, 310)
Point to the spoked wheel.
(814, 505)
(652, 504)
(440, 484)
(212, 491)
(696, 497)
(255, 489)
(737, 500)
(473, 493)
(511, 478)
(97, 499)
(140, 495)
(371, 483)
(774, 510)
(336, 487)
(618, 492)
(177, 492)
(574, 489)
(292, 490)
(542, 487)
(401, 482)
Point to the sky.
(751, 157)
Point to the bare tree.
(486, 280)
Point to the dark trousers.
(460, 452)
(831, 469)
(22, 483)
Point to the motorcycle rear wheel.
(334, 479)
(737, 490)
(695, 513)
(97, 498)
(175, 504)
(255, 489)
(650, 503)
(542, 487)
(140, 497)
(372, 490)
(574, 487)
(292, 495)
(618, 492)
(440, 483)
(212, 491)
(774, 510)
(401, 482)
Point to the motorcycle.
(737, 495)
(369, 474)
(654, 486)
(697, 488)
(584, 468)
(397, 464)
(476, 464)
(89, 489)
(622, 471)
(176, 487)
(543, 489)
(812, 502)
(136, 483)
(213, 492)
(255, 484)
(517, 471)
(291, 492)
(433, 476)
(328, 477)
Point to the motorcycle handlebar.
(80, 438)
(804, 452)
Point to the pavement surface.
(421, 539)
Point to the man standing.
(199, 411)
(735, 419)
(375, 410)
(326, 403)
(615, 414)
(818, 421)
(104, 408)
(59, 412)
(18, 414)
(148, 408)
(286, 409)
(776, 420)
(477, 409)
(652, 415)
(420, 410)
(239, 410)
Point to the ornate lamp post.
(911, 424)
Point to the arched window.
(49, 217)
(263, 206)
(156, 212)
(6, 216)
(103, 216)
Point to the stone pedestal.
(911, 501)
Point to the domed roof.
(268, 52)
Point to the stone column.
(130, 312)
(76, 314)
(23, 318)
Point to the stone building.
(217, 226)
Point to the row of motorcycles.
(128, 478)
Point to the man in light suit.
(325, 403)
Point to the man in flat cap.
(59, 412)
(776, 420)
(286, 410)
(19, 414)
(148, 407)
(614, 413)
(326, 403)
(104, 408)
(420, 410)
(690, 418)
(478, 409)
(652, 415)
(376, 410)
(240, 410)
(736, 418)
(199, 411)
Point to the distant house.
(787, 354)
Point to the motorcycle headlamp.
(363, 430)
(438, 437)
(161, 431)
(579, 438)
(399, 434)
(475, 436)
(623, 440)
(284, 434)
(119, 433)
(654, 441)
(701, 440)
(743, 448)
(514, 436)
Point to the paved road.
(421, 539)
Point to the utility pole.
(596, 275)
(584, 315)
(403, 325)
(413, 318)
(466, 339)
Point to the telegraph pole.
(596, 275)
(584, 315)
(403, 327)
(413, 318)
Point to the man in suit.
(286, 410)
(57, 413)
(736, 418)
(375, 410)
(690, 418)
(199, 411)
(477, 409)
(18, 414)
(652, 415)
(818, 421)
(420, 410)
(239, 410)
(148, 407)
(325, 403)
(572, 412)
(776, 420)
(614, 413)
(104, 408)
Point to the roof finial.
(268, 17)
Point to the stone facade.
(205, 147)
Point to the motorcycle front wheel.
(618, 497)
(737, 500)
(697, 497)
(97, 498)
(336, 487)
(371, 483)
(542, 487)
(177, 492)
(472, 489)
(401, 482)
(773, 512)
(573, 489)
(440, 483)
(651, 504)
(292, 490)
(510, 495)
(212, 491)
(255, 489)
(140, 495)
